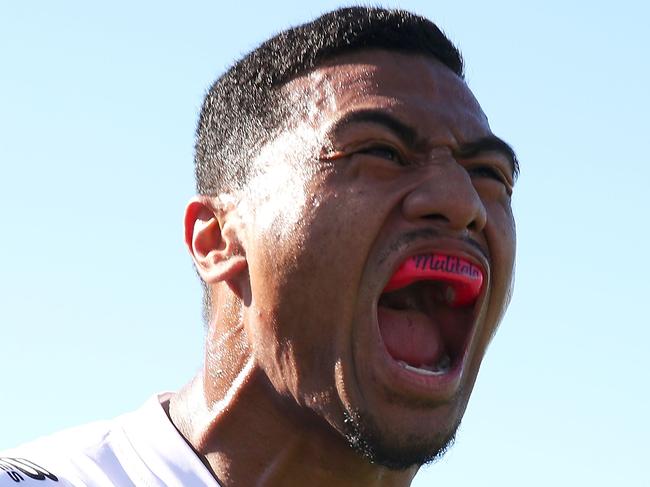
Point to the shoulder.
(140, 448)
(81, 456)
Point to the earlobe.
(212, 241)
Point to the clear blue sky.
(99, 304)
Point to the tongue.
(410, 336)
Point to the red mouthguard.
(464, 278)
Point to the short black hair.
(245, 107)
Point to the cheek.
(279, 205)
(501, 236)
(500, 233)
(298, 312)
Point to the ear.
(212, 240)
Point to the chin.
(396, 450)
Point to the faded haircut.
(245, 107)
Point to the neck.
(248, 437)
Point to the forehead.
(419, 90)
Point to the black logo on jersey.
(19, 468)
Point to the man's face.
(382, 166)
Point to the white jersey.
(141, 448)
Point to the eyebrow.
(489, 143)
(405, 132)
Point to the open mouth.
(426, 312)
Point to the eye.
(383, 152)
(490, 175)
(487, 172)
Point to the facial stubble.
(366, 437)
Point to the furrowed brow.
(408, 134)
(489, 143)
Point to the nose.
(446, 195)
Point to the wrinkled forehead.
(419, 89)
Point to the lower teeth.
(442, 367)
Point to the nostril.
(436, 217)
(475, 225)
(479, 222)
